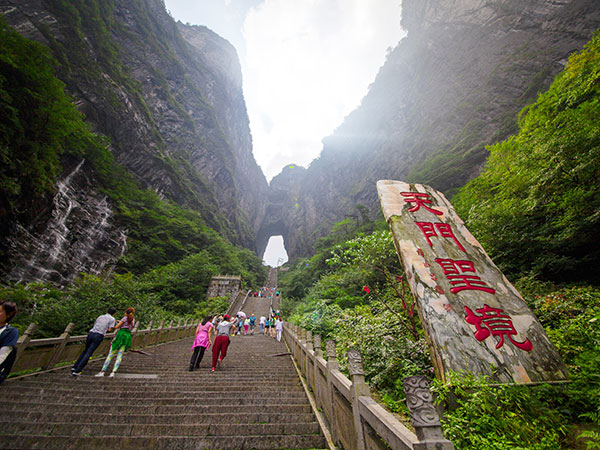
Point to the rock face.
(455, 84)
(169, 97)
(78, 236)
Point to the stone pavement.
(254, 401)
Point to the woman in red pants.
(221, 341)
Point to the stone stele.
(474, 319)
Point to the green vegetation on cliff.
(536, 209)
(172, 252)
(38, 124)
(95, 56)
(536, 206)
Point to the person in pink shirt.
(203, 340)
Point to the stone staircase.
(254, 401)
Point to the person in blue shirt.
(8, 338)
(252, 323)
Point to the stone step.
(118, 417)
(229, 442)
(254, 401)
(202, 373)
(117, 385)
(207, 429)
(25, 394)
(217, 377)
(151, 399)
(75, 405)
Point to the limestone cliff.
(455, 84)
(169, 98)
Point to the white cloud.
(308, 64)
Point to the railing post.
(309, 340)
(316, 378)
(148, 331)
(297, 343)
(23, 341)
(159, 332)
(359, 388)
(64, 337)
(424, 416)
(177, 332)
(332, 364)
(169, 331)
(307, 361)
(301, 349)
(134, 333)
(183, 332)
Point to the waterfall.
(78, 237)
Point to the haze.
(306, 64)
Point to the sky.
(306, 64)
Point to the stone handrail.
(356, 420)
(47, 353)
(245, 298)
(236, 305)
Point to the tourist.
(216, 320)
(261, 323)
(103, 324)
(121, 343)
(272, 326)
(219, 351)
(202, 341)
(8, 338)
(278, 328)
(252, 323)
(241, 316)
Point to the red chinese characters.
(494, 322)
(454, 271)
(420, 200)
(445, 230)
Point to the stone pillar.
(183, 332)
(169, 331)
(297, 343)
(56, 354)
(308, 361)
(317, 380)
(332, 364)
(359, 388)
(134, 333)
(301, 355)
(23, 341)
(309, 340)
(146, 336)
(159, 332)
(317, 345)
(424, 416)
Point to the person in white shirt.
(262, 322)
(103, 324)
(278, 328)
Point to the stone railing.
(44, 354)
(356, 421)
(237, 304)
